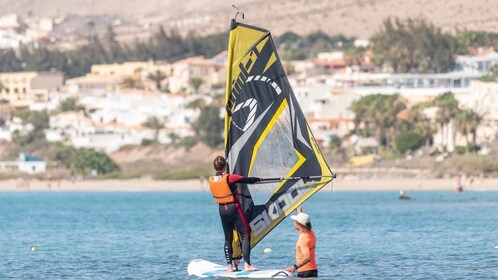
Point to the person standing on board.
(224, 190)
(305, 247)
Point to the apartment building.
(22, 89)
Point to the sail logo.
(266, 80)
(253, 106)
(277, 208)
(252, 103)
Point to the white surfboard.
(202, 268)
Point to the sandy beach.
(350, 183)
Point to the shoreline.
(350, 183)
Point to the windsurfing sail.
(266, 133)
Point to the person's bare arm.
(307, 257)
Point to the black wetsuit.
(233, 218)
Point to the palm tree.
(361, 110)
(158, 76)
(475, 120)
(447, 112)
(392, 106)
(421, 123)
(156, 124)
(353, 56)
(463, 121)
(381, 111)
(468, 122)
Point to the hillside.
(162, 162)
(360, 18)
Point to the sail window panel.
(275, 157)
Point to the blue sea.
(154, 235)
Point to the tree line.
(388, 119)
(163, 45)
(293, 46)
(403, 45)
(419, 46)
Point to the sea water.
(154, 235)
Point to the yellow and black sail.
(266, 133)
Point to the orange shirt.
(306, 245)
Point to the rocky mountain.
(360, 18)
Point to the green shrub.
(83, 161)
(147, 142)
(460, 150)
(471, 148)
(409, 140)
(474, 148)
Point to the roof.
(481, 51)
(28, 157)
(92, 79)
(334, 62)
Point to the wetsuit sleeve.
(234, 178)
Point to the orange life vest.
(220, 189)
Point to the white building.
(10, 21)
(5, 134)
(9, 39)
(135, 109)
(116, 119)
(76, 129)
(326, 110)
(16, 125)
(483, 99)
(111, 139)
(67, 125)
(451, 80)
(31, 164)
(480, 63)
(183, 71)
